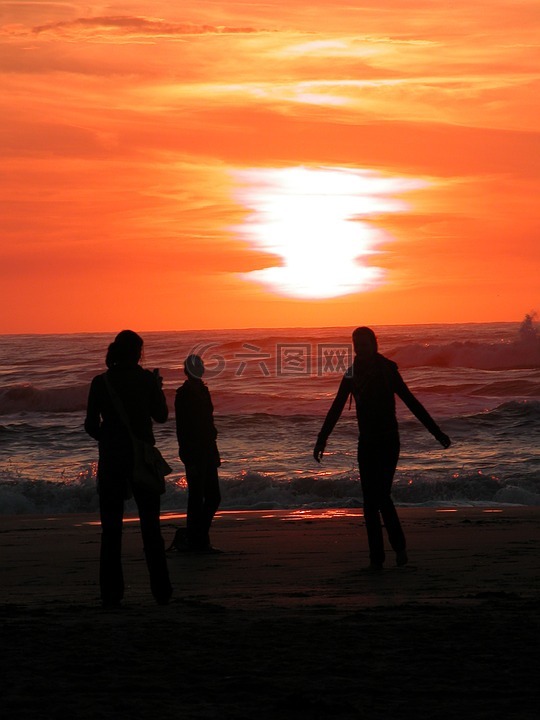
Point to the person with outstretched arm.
(373, 381)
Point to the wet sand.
(281, 624)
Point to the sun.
(316, 220)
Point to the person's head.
(125, 350)
(364, 342)
(194, 366)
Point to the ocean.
(271, 390)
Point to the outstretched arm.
(416, 407)
(332, 417)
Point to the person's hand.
(444, 440)
(318, 450)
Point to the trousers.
(204, 498)
(377, 461)
(111, 577)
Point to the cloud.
(127, 26)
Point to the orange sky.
(211, 165)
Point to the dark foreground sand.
(281, 625)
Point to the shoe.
(164, 599)
(373, 569)
(179, 541)
(401, 558)
(111, 605)
(214, 550)
(202, 548)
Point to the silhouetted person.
(140, 394)
(373, 380)
(198, 451)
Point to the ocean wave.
(484, 354)
(258, 491)
(228, 359)
(509, 388)
(20, 496)
(26, 397)
(514, 413)
(520, 352)
(479, 356)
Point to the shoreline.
(454, 553)
(282, 624)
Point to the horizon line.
(261, 327)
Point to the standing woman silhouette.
(139, 392)
(373, 381)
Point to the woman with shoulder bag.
(122, 404)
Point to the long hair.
(125, 350)
(366, 334)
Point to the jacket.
(374, 385)
(195, 429)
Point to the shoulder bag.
(149, 465)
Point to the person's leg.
(195, 521)
(154, 547)
(373, 525)
(111, 578)
(392, 524)
(388, 464)
(367, 463)
(212, 496)
(377, 460)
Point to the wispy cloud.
(123, 25)
(121, 122)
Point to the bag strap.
(118, 405)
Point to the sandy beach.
(281, 624)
